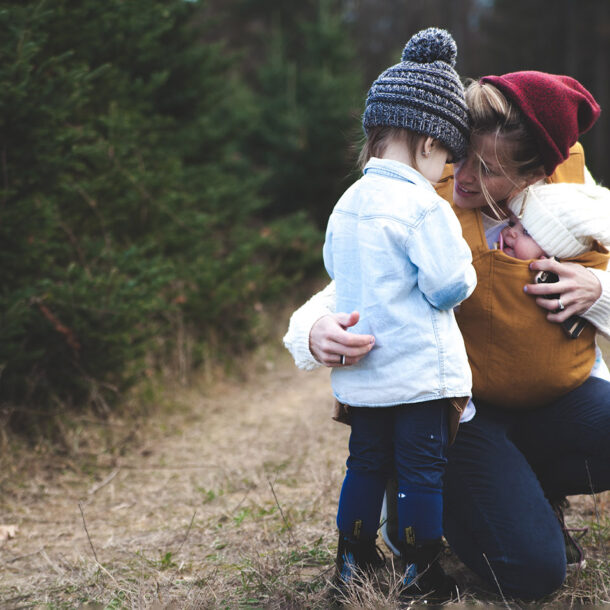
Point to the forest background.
(167, 167)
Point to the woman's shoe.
(575, 554)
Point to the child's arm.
(445, 273)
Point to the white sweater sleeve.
(588, 177)
(296, 339)
(599, 313)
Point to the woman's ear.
(525, 181)
(534, 176)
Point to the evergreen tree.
(309, 93)
(565, 37)
(128, 213)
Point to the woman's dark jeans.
(504, 467)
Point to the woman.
(508, 469)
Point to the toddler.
(396, 253)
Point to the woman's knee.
(526, 562)
(538, 572)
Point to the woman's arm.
(599, 313)
(317, 335)
(583, 292)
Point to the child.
(396, 253)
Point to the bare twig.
(597, 517)
(160, 467)
(80, 507)
(100, 566)
(592, 491)
(288, 526)
(103, 483)
(496, 581)
(62, 329)
(241, 501)
(188, 531)
(48, 560)
(19, 557)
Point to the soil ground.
(226, 502)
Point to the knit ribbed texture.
(564, 219)
(296, 339)
(423, 93)
(599, 313)
(556, 108)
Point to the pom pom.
(431, 45)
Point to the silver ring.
(560, 305)
(342, 359)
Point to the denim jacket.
(396, 253)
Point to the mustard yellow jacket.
(518, 358)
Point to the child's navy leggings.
(411, 440)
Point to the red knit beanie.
(557, 109)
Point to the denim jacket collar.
(396, 170)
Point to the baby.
(567, 221)
(560, 220)
(561, 229)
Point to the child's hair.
(378, 138)
(492, 113)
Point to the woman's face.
(483, 153)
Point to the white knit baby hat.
(564, 219)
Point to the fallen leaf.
(7, 531)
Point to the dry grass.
(227, 502)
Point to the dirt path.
(229, 503)
(194, 515)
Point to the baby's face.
(517, 242)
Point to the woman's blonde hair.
(378, 138)
(492, 113)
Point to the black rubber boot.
(355, 556)
(423, 575)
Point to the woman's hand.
(577, 287)
(328, 340)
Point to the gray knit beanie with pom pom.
(423, 93)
